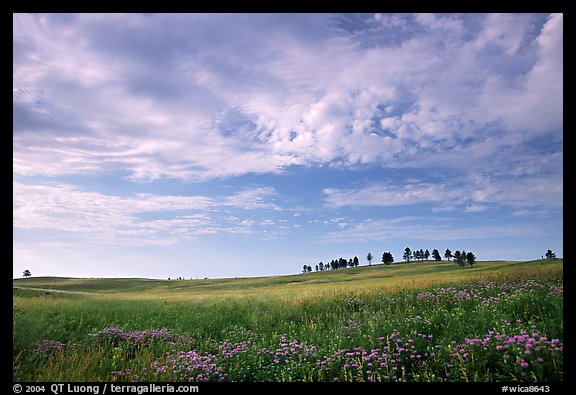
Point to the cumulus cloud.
(144, 96)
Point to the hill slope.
(361, 279)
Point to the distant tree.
(550, 254)
(327, 266)
(407, 254)
(448, 254)
(470, 258)
(426, 254)
(316, 268)
(436, 255)
(26, 273)
(416, 255)
(309, 269)
(387, 258)
(342, 263)
(456, 256)
(355, 261)
(304, 269)
(369, 258)
(460, 258)
(321, 266)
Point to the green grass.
(314, 319)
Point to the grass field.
(427, 321)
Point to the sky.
(234, 145)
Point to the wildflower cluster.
(188, 366)
(489, 293)
(354, 303)
(523, 353)
(394, 361)
(47, 347)
(116, 336)
(283, 359)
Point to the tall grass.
(505, 325)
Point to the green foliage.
(494, 325)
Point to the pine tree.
(369, 258)
(387, 258)
(407, 254)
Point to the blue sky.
(223, 145)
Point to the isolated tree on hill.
(436, 255)
(550, 254)
(387, 258)
(26, 273)
(470, 258)
(369, 258)
(448, 254)
(407, 254)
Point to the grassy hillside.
(454, 324)
(361, 279)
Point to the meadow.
(498, 322)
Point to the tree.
(321, 266)
(470, 258)
(355, 261)
(550, 254)
(304, 269)
(416, 255)
(407, 254)
(309, 269)
(369, 258)
(26, 273)
(460, 258)
(456, 256)
(316, 267)
(448, 254)
(426, 254)
(387, 258)
(436, 255)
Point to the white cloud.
(406, 229)
(384, 195)
(532, 101)
(470, 194)
(106, 219)
(150, 96)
